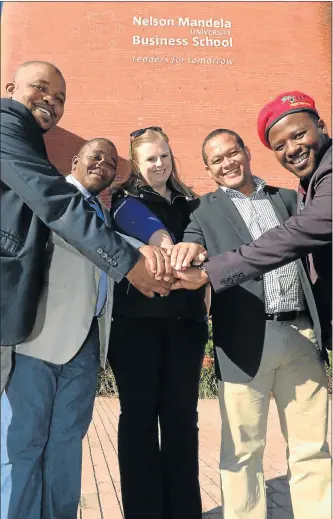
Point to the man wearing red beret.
(290, 126)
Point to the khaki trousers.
(292, 369)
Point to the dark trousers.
(46, 410)
(157, 363)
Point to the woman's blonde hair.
(136, 180)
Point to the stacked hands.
(161, 270)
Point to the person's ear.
(322, 126)
(209, 172)
(248, 153)
(10, 89)
(75, 161)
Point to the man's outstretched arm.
(59, 205)
(298, 236)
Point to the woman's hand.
(158, 261)
(161, 238)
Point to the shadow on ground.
(215, 513)
(278, 498)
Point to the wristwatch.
(202, 267)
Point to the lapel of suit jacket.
(106, 212)
(283, 214)
(108, 223)
(324, 165)
(227, 208)
(278, 203)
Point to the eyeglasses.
(137, 133)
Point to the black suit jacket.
(238, 314)
(307, 233)
(35, 198)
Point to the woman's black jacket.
(183, 304)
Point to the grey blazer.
(67, 304)
(238, 314)
(307, 234)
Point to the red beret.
(282, 105)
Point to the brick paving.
(101, 494)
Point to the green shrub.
(208, 381)
(106, 385)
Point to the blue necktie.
(103, 280)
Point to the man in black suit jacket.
(36, 198)
(264, 333)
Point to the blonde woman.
(157, 347)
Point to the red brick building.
(207, 65)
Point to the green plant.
(208, 381)
(106, 384)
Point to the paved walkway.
(101, 496)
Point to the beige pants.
(292, 369)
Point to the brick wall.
(276, 46)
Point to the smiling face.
(42, 90)
(297, 141)
(228, 163)
(154, 161)
(95, 166)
